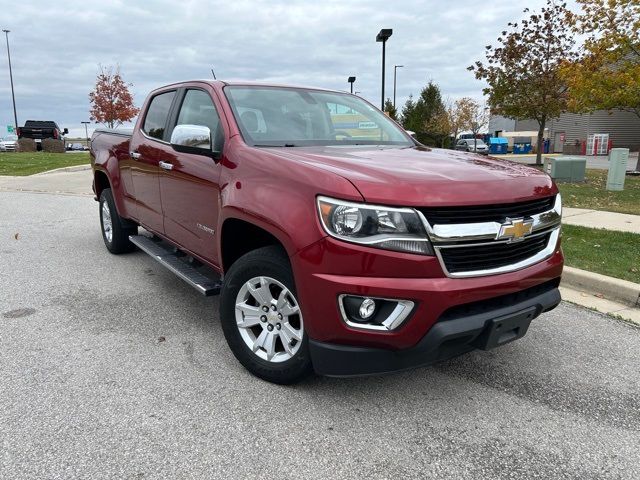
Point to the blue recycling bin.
(498, 145)
(522, 148)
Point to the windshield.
(291, 117)
(477, 143)
(10, 138)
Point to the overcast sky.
(56, 46)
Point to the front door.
(190, 189)
(148, 147)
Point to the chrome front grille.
(486, 213)
(486, 256)
(469, 248)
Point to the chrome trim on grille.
(460, 235)
(538, 257)
(490, 230)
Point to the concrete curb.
(611, 288)
(74, 168)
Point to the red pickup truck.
(337, 242)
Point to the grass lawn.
(28, 163)
(593, 194)
(616, 254)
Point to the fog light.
(374, 313)
(367, 308)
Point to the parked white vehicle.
(472, 145)
(9, 143)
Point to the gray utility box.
(618, 159)
(566, 169)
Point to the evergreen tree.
(408, 113)
(390, 110)
(420, 115)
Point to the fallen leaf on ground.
(16, 236)
(161, 339)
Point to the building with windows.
(622, 128)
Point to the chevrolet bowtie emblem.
(515, 229)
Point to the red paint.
(278, 194)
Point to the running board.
(205, 285)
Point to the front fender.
(279, 196)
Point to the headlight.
(397, 229)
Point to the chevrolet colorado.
(337, 242)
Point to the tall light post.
(86, 132)
(351, 80)
(383, 36)
(13, 96)
(395, 69)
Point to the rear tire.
(261, 317)
(115, 231)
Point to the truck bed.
(105, 140)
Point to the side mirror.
(194, 139)
(65, 131)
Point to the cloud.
(56, 48)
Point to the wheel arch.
(100, 182)
(240, 236)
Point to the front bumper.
(487, 326)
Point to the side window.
(157, 113)
(198, 109)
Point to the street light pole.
(383, 36)
(351, 80)
(13, 96)
(86, 132)
(395, 69)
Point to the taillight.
(55, 134)
(18, 131)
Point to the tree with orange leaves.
(111, 101)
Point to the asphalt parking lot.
(110, 367)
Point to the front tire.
(261, 317)
(114, 232)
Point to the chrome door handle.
(165, 165)
(134, 155)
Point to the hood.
(426, 177)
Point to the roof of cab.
(243, 83)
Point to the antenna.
(214, 74)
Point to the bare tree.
(478, 118)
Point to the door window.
(198, 109)
(156, 119)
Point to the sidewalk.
(582, 217)
(69, 180)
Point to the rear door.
(190, 189)
(150, 145)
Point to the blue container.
(498, 145)
(522, 148)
